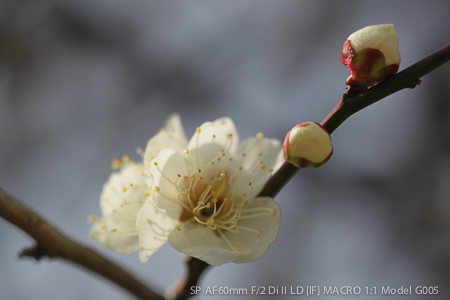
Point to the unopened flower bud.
(371, 54)
(308, 144)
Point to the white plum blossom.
(122, 197)
(203, 193)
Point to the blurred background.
(82, 82)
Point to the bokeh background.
(82, 82)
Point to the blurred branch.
(52, 243)
(350, 104)
(195, 269)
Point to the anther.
(114, 230)
(155, 163)
(234, 222)
(147, 194)
(198, 130)
(210, 222)
(91, 219)
(116, 164)
(239, 249)
(124, 189)
(262, 166)
(125, 159)
(258, 234)
(157, 188)
(274, 214)
(259, 135)
(178, 228)
(208, 205)
(139, 151)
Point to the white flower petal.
(120, 201)
(104, 231)
(175, 128)
(170, 137)
(201, 242)
(153, 226)
(169, 164)
(389, 47)
(127, 185)
(267, 226)
(370, 36)
(256, 157)
(209, 141)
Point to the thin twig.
(348, 105)
(52, 243)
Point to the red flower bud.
(371, 54)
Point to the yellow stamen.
(116, 163)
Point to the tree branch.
(348, 105)
(52, 243)
(195, 269)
